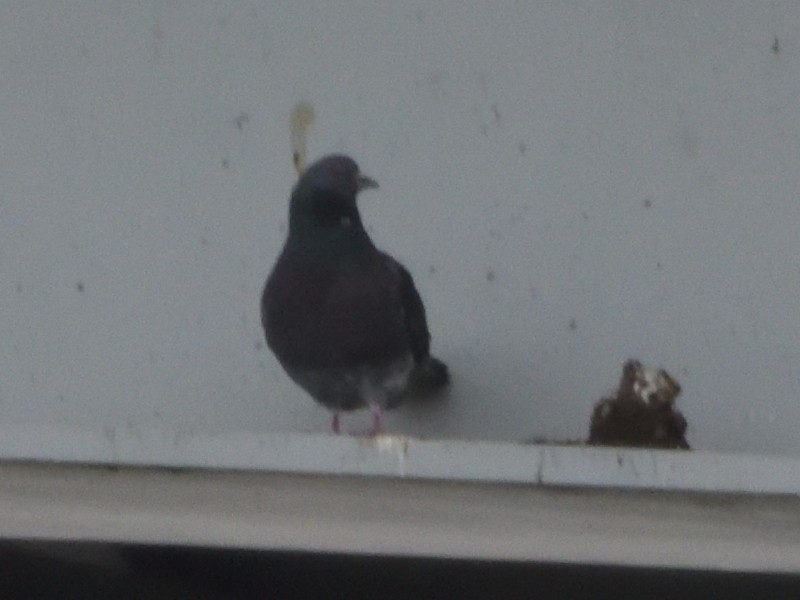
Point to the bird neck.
(326, 224)
(339, 239)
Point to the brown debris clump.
(642, 414)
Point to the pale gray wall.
(572, 184)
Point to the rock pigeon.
(343, 318)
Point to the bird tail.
(426, 379)
(429, 375)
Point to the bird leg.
(376, 412)
(335, 424)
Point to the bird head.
(337, 174)
(325, 195)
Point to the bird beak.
(364, 183)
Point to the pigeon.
(343, 318)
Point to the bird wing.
(412, 311)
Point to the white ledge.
(401, 517)
(403, 496)
(398, 456)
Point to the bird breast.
(323, 316)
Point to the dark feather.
(413, 311)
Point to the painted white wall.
(571, 184)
